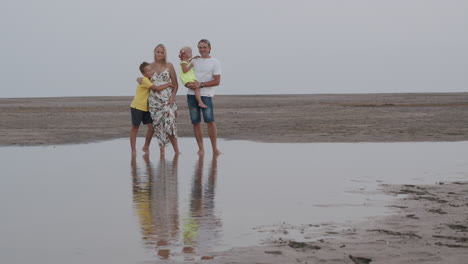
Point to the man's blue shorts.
(196, 111)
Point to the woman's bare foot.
(162, 152)
(145, 149)
(201, 152)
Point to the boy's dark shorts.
(139, 116)
(195, 115)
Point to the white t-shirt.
(204, 71)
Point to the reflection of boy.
(139, 108)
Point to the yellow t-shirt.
(140, 101)
(188, 76)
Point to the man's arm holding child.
(194, 85)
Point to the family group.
(155, 105)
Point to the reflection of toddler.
(187, 74)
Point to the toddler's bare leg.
(199, 100)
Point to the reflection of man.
(202, 226)
(157, 203)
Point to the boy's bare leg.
(199, 100)
(133, 135)
(174, 143)
(198, 132)
(149, 136)
(213, 134)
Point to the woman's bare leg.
(174, 143)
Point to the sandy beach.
(428, 224)
(267, 118)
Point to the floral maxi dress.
(163, 114)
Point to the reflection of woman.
(157, 204)
(161, 105)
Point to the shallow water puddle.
(93, 203)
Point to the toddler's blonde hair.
(182, 51)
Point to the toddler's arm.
(186, 67)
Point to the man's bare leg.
(198, 132)
(213, 134)
(149, 136)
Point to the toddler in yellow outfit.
(187, 73)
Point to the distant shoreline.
(217, 95)
(392, 117)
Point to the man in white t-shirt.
(208, 73)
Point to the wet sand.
(429, 223)
(268, 118)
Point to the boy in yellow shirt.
(139, 108)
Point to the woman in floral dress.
(162, 105)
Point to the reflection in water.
(156, 202)
(155, 197)
(201, 226)
(345, 178)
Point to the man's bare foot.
(217, 152)
(203, 105)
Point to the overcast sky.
(94, 47)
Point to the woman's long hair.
(165, 52)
